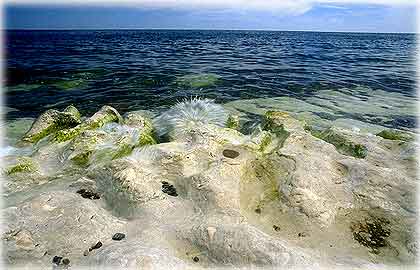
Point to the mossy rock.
(24, 165)
(341, 143)
(105, 115)
(396, 135)
(52, 121)
(233, 122)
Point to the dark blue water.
(139, 69)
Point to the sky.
(295, 15)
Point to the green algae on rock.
(24, 165)
(392, 134)
(233, 122)
(341, 143)
(274, 122)
(51, 121)
(105, 115)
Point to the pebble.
(66, 261)
(86, 252)
(302, 234)
(96, 246)
(169, 189)
(57, 260)
(276, 228)
(87, 194)
(118, 236)
(258, 211)
(230, 153)
(196, 259)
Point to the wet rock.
(118, 236)
(87, 194)
(230, 153)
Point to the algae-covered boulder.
(392, 134)
(105, 115)
(52, 121)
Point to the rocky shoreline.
(195, 187)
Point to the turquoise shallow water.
(151, 70)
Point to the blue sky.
(357, 16)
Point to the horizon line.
(199, 29)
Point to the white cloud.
(283, 6)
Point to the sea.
(365, 77)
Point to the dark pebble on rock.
(276, 228)
(258, 211)
(87, 194)
(169, 189)
(230, 153)
(196, 259)
(302, 234)
(118, 236)
(57, 260)
(96, 246)
(66, 261)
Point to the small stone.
(88, 194)
(258, 211)
(86, 252)
(169, 189)
(276, 228)
(230, 153)
(302, 234)
(118, 236)
(57, 260)
(66, 261)
(196, 259)
(96, 246)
